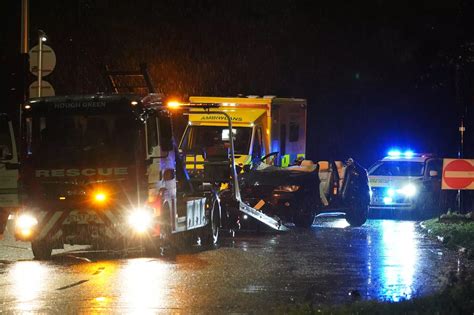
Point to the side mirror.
(433, 173)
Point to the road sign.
(49, 60)
(46, 89)
(458, 174)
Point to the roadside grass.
(456, 298)
(455, 231)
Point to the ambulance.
(406, 183)
(264, 128)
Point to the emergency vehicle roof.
(242, 110)
(229, 101)
(415, 158)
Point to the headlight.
(408, 190)
(25, 224)
(140, 220)
(391, 192)
(287, 188)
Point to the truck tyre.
(357, 214)
(211, 230)
(42, 249)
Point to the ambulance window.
(294, 131)
(151, 134)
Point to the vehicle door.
(160, 164)
(8, 171)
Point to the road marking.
(72, 285)
(98, 271)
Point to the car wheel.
(357, 214)
(211, 230)
(426, 207)
(42, 249)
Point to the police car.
(406, 183)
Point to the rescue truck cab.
(405, 183)
(102, 170)
(8, 171)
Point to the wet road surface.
(328, 264)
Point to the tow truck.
(269, 136)
(103, 170)
(8, 171)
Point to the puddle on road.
(384, 260)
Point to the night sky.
(376, 73)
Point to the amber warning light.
(173, 104)
(100, 197)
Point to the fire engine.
(102, 170)
(8, 171)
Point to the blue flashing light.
(409, 153)
(394, 153)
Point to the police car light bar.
(409, 153)
(398, 153)
(394, 153)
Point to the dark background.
(376, 74)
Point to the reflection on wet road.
(331, 263)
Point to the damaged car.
(297, 194)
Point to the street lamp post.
(41, 38)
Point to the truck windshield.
(5, 137)
(397, 168)
(201, 138)
(85, 138)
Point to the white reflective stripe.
(458, 174)
(58, 234)
(96, 217)
(111, 217)
(41, 216)
(110, 232)
(48, 226)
